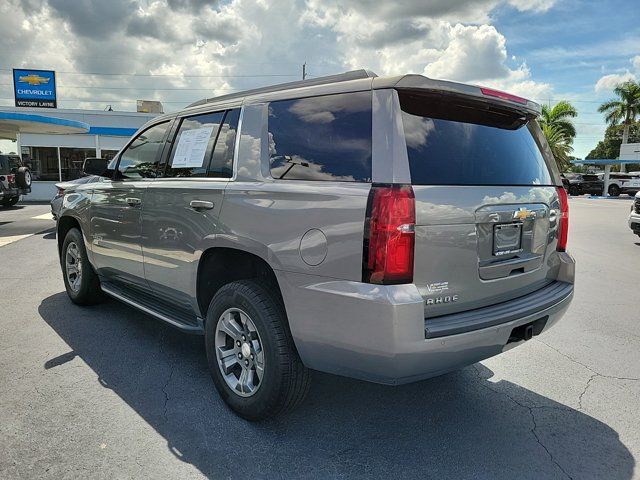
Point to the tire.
(23, 177)
(83, 288)
(574, 191)
(285, 380)
(614, 190)
(10, 202)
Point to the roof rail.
(341, 77)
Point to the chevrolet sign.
(34, 88)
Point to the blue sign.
(34, 88)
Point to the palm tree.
(624, 109)
(559, 143)
(560, 117)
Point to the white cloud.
(609, 82)
(635, 61)
(198, 48)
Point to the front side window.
(321, 138)
(193, 146)
(140, 159)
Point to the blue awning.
(12, 123)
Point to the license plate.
(507, 238)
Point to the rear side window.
(326, 138)
(193, 145)
(452, 143)
(222, 159)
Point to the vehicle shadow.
(460, 425)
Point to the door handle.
(201, 205)
(134, 202)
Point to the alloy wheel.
(239, 352)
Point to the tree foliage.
(624, 109)
(558, 128)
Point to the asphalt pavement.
(108, 392)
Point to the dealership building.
(54, 142)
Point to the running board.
(174, 322)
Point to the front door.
(116, 207)
(183, 206)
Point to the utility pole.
(304, 71)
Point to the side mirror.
(96, 166)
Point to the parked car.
(580, 184)
(634, 216)
(335, 224)
(15, 180)
(56, 201)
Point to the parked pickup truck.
(337, 224)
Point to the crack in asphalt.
(533, 430)
(166, 384)
(594, 374)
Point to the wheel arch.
(64, 224)
(219, 266)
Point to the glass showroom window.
(71, 160)
(43, 162)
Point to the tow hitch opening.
(527, 331)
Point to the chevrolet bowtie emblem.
(523, 213)
(34, 79)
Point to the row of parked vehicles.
(593, 184)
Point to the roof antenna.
(108, 108)
(304, 71)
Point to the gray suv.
(388, 229)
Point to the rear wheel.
(251, 355)
(81, 282)
(614, 190)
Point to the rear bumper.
(377, 333)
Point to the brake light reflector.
(563, 222)
(489, 92)
(389, 235)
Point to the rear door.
(183, 205)
(486, 202)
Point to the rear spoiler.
(420, 83)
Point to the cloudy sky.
(112, 52)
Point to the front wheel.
(614, 190)
(81, 282)
(250, 352)
(574, 191)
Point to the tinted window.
(222, 161)
(321, 138)
(140, 158)
(458, 144)
(193, 146)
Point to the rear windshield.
(454, 142)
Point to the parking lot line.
(44, 216)
(14, 238)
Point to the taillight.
(489, 92)
(60, 192)
(11, 178)
(563, 225)
(389, 235)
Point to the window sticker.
(191, 148)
